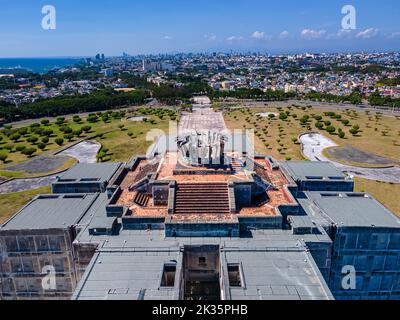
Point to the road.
(314, 144)
(84, 152)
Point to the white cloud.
(235, 38)
(313, 34)
(210, 37)
(284, 34)
(258, 35)
(368, 33)
(393, 35)
(344, 33)
(167, 38)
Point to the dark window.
(202, 261)
(235, 279)
(168, 276)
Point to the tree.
(23, 131)
(69, 136)
(283, 116)
(330, 129)
(66, 130)
(15, 137)
(59, 141)
(319, 125)
(86, 128)
(41, 145)
(32, 139)
(9, 147)
(78, 132)
(48, 132)
(20, 148)
(342, 135)
(45, 122)
(101, 155)
(29, 152)
(3, 157)
(353, 131)
(121, 126)
(346, 122)
(60, 121)
(45, 140)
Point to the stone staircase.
(202, 198)
(237, 166)
(141, 199)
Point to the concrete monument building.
(178, 226)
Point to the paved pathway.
(84, 152)
(315, 143)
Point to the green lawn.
(10, 203)
(378, 134)
(122, 142)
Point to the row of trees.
(353, 98)
(269, 95)
(96, 101)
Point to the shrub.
(32, 139)
(29, 151)
(41, 146)
(59, 141)
(3, 157)
(20, 148)
(45, 140)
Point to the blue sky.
(86, 27)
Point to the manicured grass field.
(386, 193)
(122, 137)
(10, 203)
(377, 134)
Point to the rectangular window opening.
(168, 276)
(234, 274)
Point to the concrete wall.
(243, 194)
(375, 254)
(201, 229)
(326, 185)
(23, 256)
(78, 187)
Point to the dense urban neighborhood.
(372, 78)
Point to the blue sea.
(38, 65)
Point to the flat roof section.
(96, 172)
(349, 209)
(127, 275)
(51, 212)
(307, 170)
(277, 275)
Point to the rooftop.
(348, 209)
(51, 212)
(97, 172)
(306, 170)
(275, 265)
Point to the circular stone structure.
(136, 119)
(266, 114)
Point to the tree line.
(95, 101)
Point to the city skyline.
(156, 27)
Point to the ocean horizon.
(39, 65)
